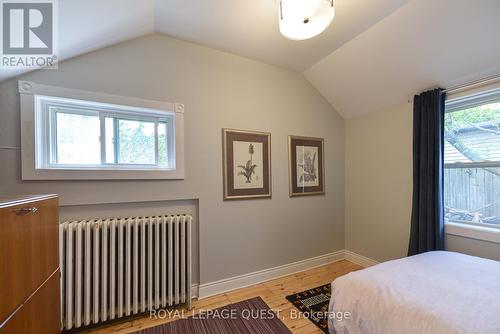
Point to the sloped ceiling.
(88, 25)
(251, 29)
(424, 44)
(377, 53)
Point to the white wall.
(219, 90)
(379, 188)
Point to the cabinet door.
(29, 247)
(40, 314)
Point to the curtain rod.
(475, 83)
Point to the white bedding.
(435, 293)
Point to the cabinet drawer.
(28, 250)
(40, 314)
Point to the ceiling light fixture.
(303, 19)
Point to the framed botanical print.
(246, 164)
(306, 166)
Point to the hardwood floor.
(272, 292)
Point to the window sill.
(137, 168)
(89, 174)
(477, 232)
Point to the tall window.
(472, 160)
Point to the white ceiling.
(247, 28)
(376, 53)
(424, 44)
(88, 25)
(250, 28)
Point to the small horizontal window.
(81, 134)
(70, 134)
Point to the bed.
(436, 293)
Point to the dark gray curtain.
(427, 216)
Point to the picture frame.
(246, 164)
(306, 166)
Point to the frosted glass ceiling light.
(303, 19)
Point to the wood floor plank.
(273, 292)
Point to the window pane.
(473, 134)
(136, 142)
(78, 139)
(162, 144)
(472, 193)
(110, 140)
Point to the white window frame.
(35, 139)
(46, 131)
(469, 99)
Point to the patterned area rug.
(251, 316)
(314, 304)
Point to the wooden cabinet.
(39, 314)
(29, 265)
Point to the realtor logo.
(28, 34)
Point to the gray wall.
(219, 90)
(378, 183)
(486, 249)
(379, 188)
